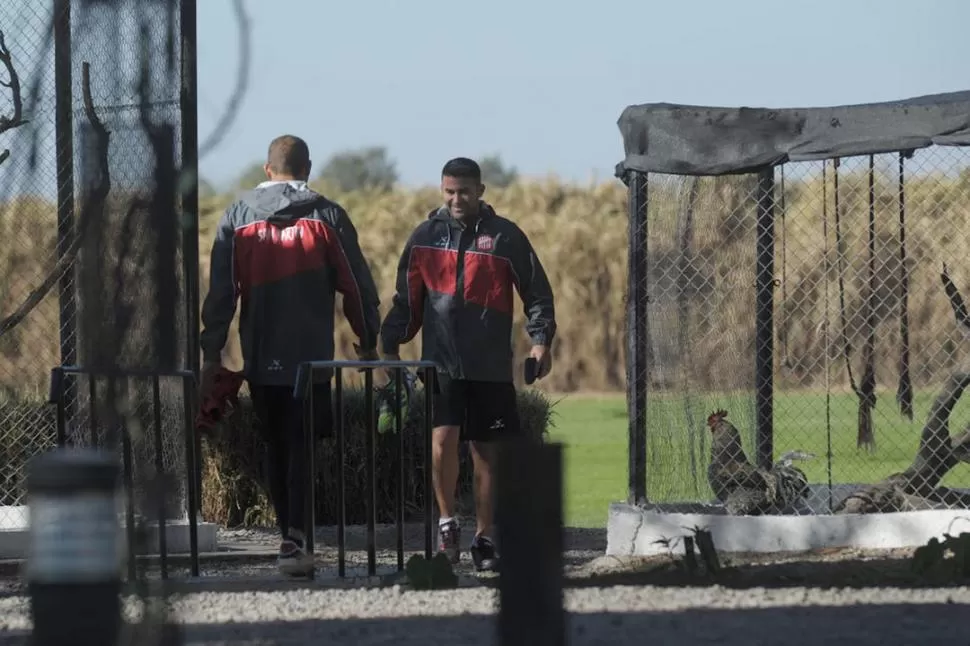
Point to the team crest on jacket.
(485, 243)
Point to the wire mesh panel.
(867, 336)
(29, 321)
(90, 135)
(867, 355)
(701, 279)
(151, 446)
(130, 322)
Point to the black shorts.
(485, 410)
(283, 415)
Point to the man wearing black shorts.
(283, 251)
(455, 282)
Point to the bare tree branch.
(956, 302)
(918, 486)
(17, 119)
(96, 123)
(94, 204)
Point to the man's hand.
(209, 370)
(543, 360)
(366, 355)
(389, 372)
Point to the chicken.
(744, 489)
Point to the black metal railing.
(57, 397)
(306, 377)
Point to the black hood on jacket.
(443, 213)
(283, 201)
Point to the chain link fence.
(127, 262)
(844, 300)
(29, 345)
(91, 274)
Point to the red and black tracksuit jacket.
(455, 283)
(284, 251)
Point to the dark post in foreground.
(529, 518)
(74, 557)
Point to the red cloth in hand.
(218, 396)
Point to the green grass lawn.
(593, 431)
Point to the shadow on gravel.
(902, 624)
(586, 539)
(893, 573)
(607, 572)
(794, 625)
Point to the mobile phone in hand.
(531, 370)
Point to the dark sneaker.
(449, 541)
(293, 560)
(484, 555)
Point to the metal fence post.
(637, 337)
(341, 474)
(430, 383)
(189, 178)
(160, 477)
(64, 133)
(399, 497)
(310, 448)
(370, 465)
(128, 468)
(192, 460)
(189, 193)
(56, 398)
(764, 317)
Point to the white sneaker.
(293, 560)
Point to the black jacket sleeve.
(354, 279)
(535, 291)
(219, 306)
(405, 317)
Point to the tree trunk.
(918, 486)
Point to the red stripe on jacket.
(266, 253)
(488, 281)
(437, 267)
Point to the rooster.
(744, 489)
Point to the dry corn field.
(580, 233)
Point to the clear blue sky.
(542, 82)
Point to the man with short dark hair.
(455, 281)
(283, 251)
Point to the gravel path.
(618, 615)
(273, 611)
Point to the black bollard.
(528, 511)
(75, 555)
